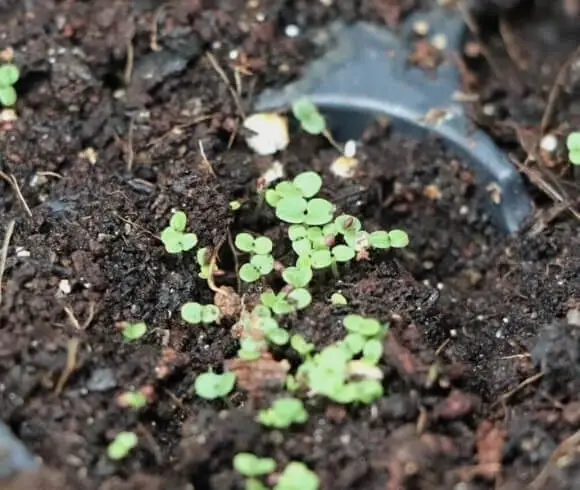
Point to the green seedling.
(9, 75)
(338, 299)
(174, 237)
(285, 303)
(203, 260)
(235, 205)
(297, 210)
(365, 336)
(301, 345)
(297, 277)
(309, 117)
(122, 445)
(297, 476)
(391, 239)
(211, 385)
(133, 331)
(261, 324)
(247, 243)
(573, 145)
(283, 413)
(261, 262)
(196, 313)
(305, 185)
(251, 466)
(132, 399)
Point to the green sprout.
(337, 299)
(235, 205)
(122, 445)
(309, 117)
(297, 277)
(301, 345)
(284, 413)
(297, 476)
(390, 239)
(133, 331)
(133, 399)
(9, 75)
(284, 303)
(365, 336)
(203, 258)
(261, 262)
(573, 145)
(174, 237)
(260, 321)
(196, 313)
(305, 185)
(297, 210)
(253, 467)
(211, 385)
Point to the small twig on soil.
(73, 319)
(14, 184)
(47, 173)
(71, 364)
(204, 159)
(136, 225)
(511, 45)
(4, 252)
(332, 141)
(130, 60)
(567, 446)
(236, 261)
(225, 79)
(506, 396)
(176, 400)
(555, 91)
(180, 127)
(213, 266)
(152, 443)
(155, 30)
(130, 152)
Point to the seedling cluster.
(261, 261)
(174, 237)
(9, 75)
(283, 413)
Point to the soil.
(482, 362)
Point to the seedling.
(174, 237)
(391, 239)
(122, 445)
(338, 299)
(365, 335)
(132, 399)
(305, 185)
(573, 144)
(283, 413)
(297, 476)
(203, 259)
(301, 345)
(211, 386)
(9, 75)
(309, 117)
(133, 331)
(196, 313)
(297, 277)
(250, 465)
(297, 210)
(284, 303)
(261, 262)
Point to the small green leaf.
(373, 351)
(300, 298)
(9, 75)
(262, 245)
(321, 259)
(297, 476)
(358, 241)
(188, 241)
(346, 223)
(380, 239)
(288, 189)
(134, 331)
(203, 256)
(8, 96)
(268, 299)
(178, 221)
(315, 124)
(249, 273)
(309, 183)
(398, 238)
(355, 343)
(368, 391)
(264, 264)
(210, 314)
(192, 313)
(342, 253)
(122, 445)
(338, 299)
(298, 277)
(244, 242)
(279, 336)
(573, 141)
(302, 246)
(300, 345)
(292, 209)
(318, 212)
(211, 385)
(250, 465)
(273, 197)
(303, 108)
(172, 240)
(296, 232)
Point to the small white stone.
(22, 252)
(344, 167)
(421, 28)
(233, 54)
(489, 110)
(350, 149)
(439, 41)
(64, 286)
(273, 173)
(549, 143)
(268, 133)
(292, 30)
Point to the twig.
(136, 225)
(225, 79)
(73, 319)
(511, 46)
(14, 184)
(236, 261)
(129, 66)
(205, 161)
(555, 91)
(506, 396)
(213, 267)
(155, 30)
(566, 447)
(71, 363)
(130, 152)
(152, 443)
(4, 252)
(180, 127)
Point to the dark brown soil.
(481, 368)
